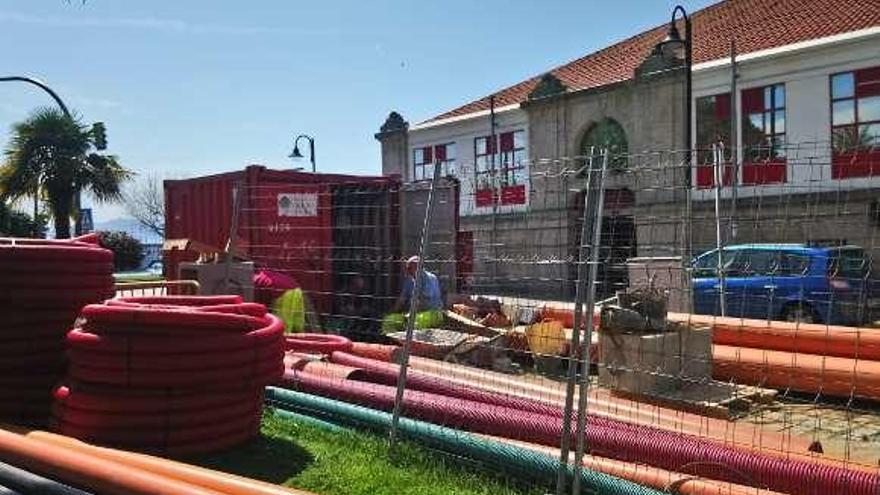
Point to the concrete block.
(656, 363)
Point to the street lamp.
(40, 84)
(674, 45)
(296, 153)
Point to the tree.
(128, 252)
(55, 156)
(17, 224)
(145, 201)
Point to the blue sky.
(197, 87)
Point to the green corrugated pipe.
(510, 458)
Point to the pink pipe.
(606, 438)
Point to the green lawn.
(354, 463)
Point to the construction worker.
(429, 307)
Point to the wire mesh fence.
(635, 323)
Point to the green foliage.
(128, 252)
(17, 224)
(53, 156)
(353, 463)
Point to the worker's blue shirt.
(431, 298)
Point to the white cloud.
(155, 24)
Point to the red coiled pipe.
(174, 379)
(43, 284)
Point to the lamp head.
(296, 153)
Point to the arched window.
(606, 133)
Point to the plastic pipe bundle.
(510, 458)
(216, 481)
(43, 284)
(176, 375)
(460, 379)
(796, 371)
(289, 407)
(633, 443)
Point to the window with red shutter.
(763, 134)
(855, 123)
(424, 159)
(713, 129)
(500, 169)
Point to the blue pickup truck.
(793, 282)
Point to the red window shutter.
(484, 197)
(753, 100)
(440, 152)
(722, 106)
(428, 154)
(868, 82)
(705, 176)
(513, 195)
(506, 141)
(856, 164)
(771, 172)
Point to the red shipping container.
(285, 220)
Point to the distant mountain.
(132, 227)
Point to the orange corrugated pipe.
(797, 371)
(650, 476)
(89, 472)
(229, 484)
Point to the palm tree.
(54, 156)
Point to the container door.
(293, 235)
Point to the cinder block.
(655, 363)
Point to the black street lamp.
(296, 153)
(42, 86)
(673, 45)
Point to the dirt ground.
(850, 432)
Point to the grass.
(355, 463)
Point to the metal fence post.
(580, 289)
(413, 307)
(584, 389)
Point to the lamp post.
(674, 43)
(40, 84)
(296, 153)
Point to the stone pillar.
(393, 135)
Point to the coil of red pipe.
(42, 286)
(175, 375)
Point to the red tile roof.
(754, 24)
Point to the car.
(791, 282)
(155, 267)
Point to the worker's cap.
(412, 262)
